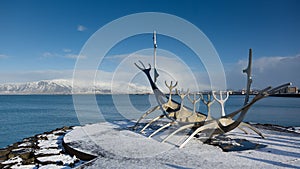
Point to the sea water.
(26, 115)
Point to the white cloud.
(31, 76)
(74, 56)
(64, 55)
(123, 72)
(81, 28)
(67, 50)
(49, 55)
(267, 71)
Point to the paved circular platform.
(114, 146)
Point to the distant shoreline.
(70, 94)
(286, 95)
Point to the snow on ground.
(18, 166)
(65, 159)
(52, 141)
(294, 129)
(118, 147)
(13, 160)
(26, 144)
(53, 166)
(47, 151)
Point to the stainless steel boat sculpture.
(191, 119)
(199, 116)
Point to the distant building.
(244, 91)
(289, 90)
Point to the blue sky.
(39, 37)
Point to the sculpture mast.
(249, 78)
(155, 75)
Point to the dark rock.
(65, 128)
(11, 155)
(15, 145)
(46, 162)
(61, 133)
(31, 160)
(48, 132)
(4, 152)
(29, 139)
(24, 153)
(59, 163)
(41, 137)
(3, 158)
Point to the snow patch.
(53, 166)
(13, 160)
(65, 159)
(46, 151)
(18, 166)
(45, 144)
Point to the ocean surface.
(26, 115)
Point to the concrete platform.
(114, 146)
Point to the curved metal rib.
(144, 115)
(251, 128)
(152, 121)
(161, 128)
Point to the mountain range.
(63, 86)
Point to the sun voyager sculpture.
(189, 118)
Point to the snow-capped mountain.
(40, 87)
(63, 86)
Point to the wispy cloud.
(3, 56)
(31, 76)
(49, 55)
(67, 54)
(67, 50)
(74, 56)
(81, 28)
